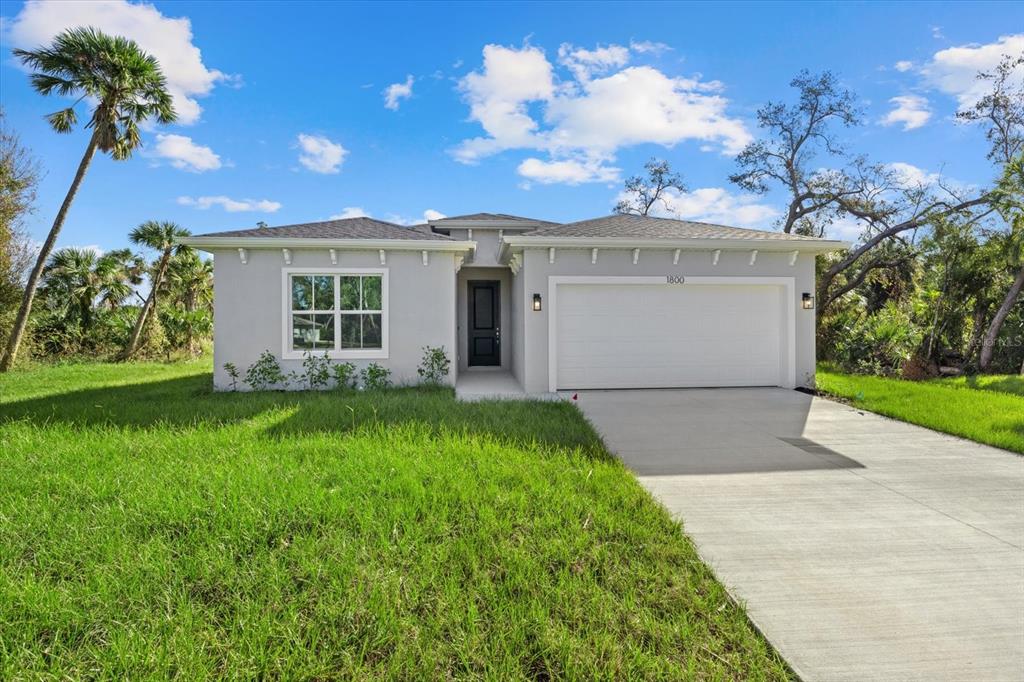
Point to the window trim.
(337, 353)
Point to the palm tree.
(161, 237)
(127, 87)
(189, 280)
(189, 284)
(75, 280)
(123, 270)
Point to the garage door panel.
(647, 336)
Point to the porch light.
(536, 302)
(808, 301)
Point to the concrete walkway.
(864, 548)
(487, 383)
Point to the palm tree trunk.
(21, 321)
(988, 346)
(133, 342)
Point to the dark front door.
(484, 323)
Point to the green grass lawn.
(984, 409)
(150, 528)
(1003, 383)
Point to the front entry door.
(484, 323)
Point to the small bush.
(317, 370)
(879, 343)
(344, 375)
(265, 373)
(232, 371)
(434, 367)
(375, 377)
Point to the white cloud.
(582, 122)
(320, 155)
(954, 70)
(230, 205)
(394, 93)
(910, 110)
(583, 63)
(428, 215)
(569, 171)
(350, 212)
(498, 95)
(714, 205)
(903, 66)
(846, 228)
(185, 154)
(648, 46)
(911, 176)
(167, 39)
(641, 105)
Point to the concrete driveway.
(864, 548)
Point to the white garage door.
(662, 336)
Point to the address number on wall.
(675, 279)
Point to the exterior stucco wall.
(488, 243)
(615, 262)
(499, 274)
(517, 310)
(249, 316)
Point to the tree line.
(933, 284)
(88, 303)
(77, 301)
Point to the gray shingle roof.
(649, 227)
(348, 228)
(483, 217)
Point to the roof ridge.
(631, 225)
(352, 226)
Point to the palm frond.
(126, 83)
(63, 121)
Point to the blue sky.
(533, 109)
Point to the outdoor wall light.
(536, 302)
(808, 301)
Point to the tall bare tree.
(1009, 202)
(643, 193)
(891, 209)
(1001, 111)
(789, 156)
(127, 87)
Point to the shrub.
(232, 371)
(265, 373)
(434, 367)
(317, 370)
(878, 343)
(185, 328)
(375, 377)
(344, 375)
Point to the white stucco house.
(615, 302)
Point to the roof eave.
(209, 243)
(808, 245)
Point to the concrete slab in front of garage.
(864, 548)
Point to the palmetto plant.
(124, 85)
(76, 281)
(189, 280)
(162, 237)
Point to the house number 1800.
(675, 279)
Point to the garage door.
(661, 336)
